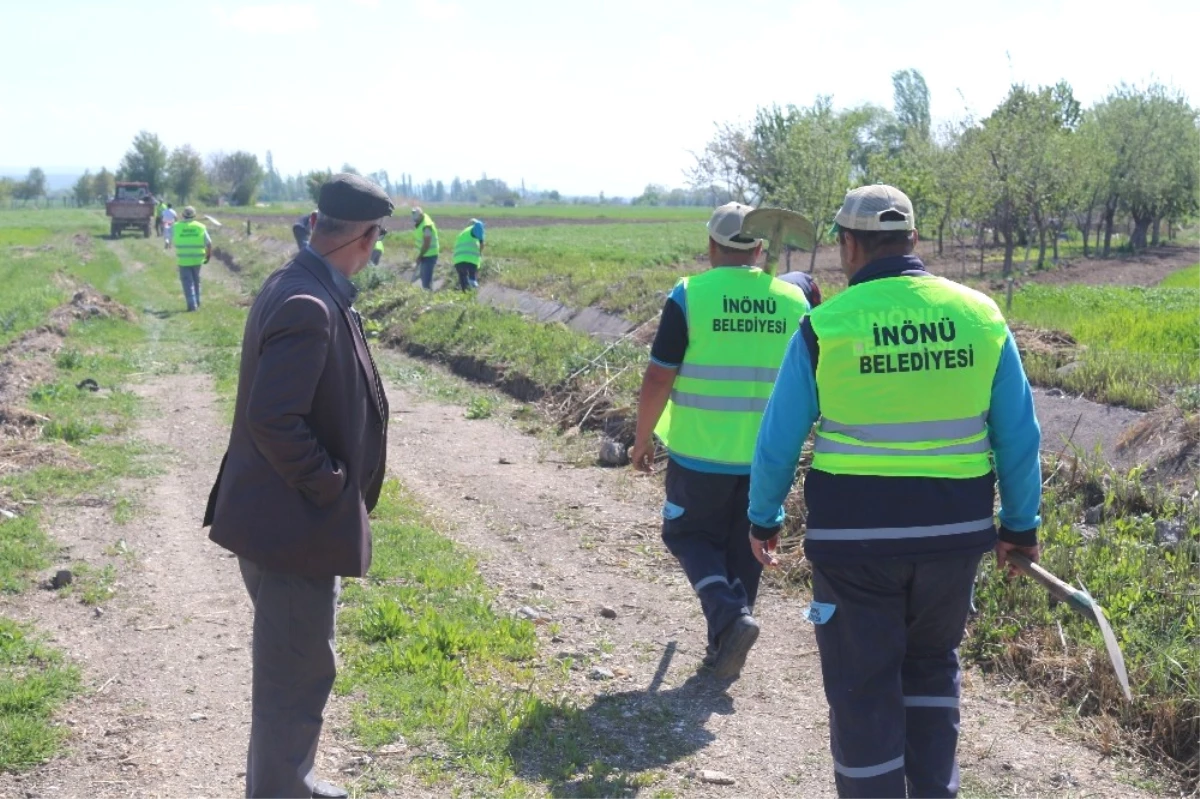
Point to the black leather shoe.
(327, 790)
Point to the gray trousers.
(294, 668)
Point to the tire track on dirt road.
(567, 541)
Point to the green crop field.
(1137, 346)
(1141, 344)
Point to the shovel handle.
(1078, 600)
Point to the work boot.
(733, 645)
(327, 790)
(710, 656)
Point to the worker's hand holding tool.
(764, 551)
(642, 456)
(1003, 548)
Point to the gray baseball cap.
(725, 227)
(876, 208)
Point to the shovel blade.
(780, 227)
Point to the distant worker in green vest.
(158, 217)
(425, 234)
(468, 253)
(720, 340)
(377, 252)
(193, 248)
(921, 404)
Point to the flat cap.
(353, 198)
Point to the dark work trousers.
(889, 659)
(294, 668)
(464, 275)
(705, 527)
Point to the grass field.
(444, 671)
(1142, 344)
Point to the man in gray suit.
(304, 468)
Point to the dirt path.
(166, 662)
(568, 541)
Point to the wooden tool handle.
(1062, 591)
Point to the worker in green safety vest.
(377, 252)
(468, 254)
(193, 248)
(720, 340)
(158, 217)
(921, 405)
(425, 235)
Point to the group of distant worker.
(468, 247)
(920, 405)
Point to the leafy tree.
(237, 176)
(103, 184)
(33, 186)
(84, 189)
(146, 161)
(313, 182)
(1151, 135)
(8, 187)
(273, 187)
(185, 173)
(911, 98)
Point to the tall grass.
(1142, 344)
(1148, 590)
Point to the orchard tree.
(185, 173)
(103, 184)
(84, 189)
(33, 186)
(146, 162)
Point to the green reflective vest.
(158, 209)
(904, 378)
(739, 321)
(379, 247)
(419, 236)
(466, 248)
(188, 240)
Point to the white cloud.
(366, 3)
(270, 18)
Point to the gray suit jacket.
(307, 451)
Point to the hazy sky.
(576, 95)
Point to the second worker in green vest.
(719, 344)
(468, 254)
(193, 248)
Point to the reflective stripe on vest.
(419, 236)
(466, 248)
(904, 379)
(751, 374)
(740, 321)
(188, 240)
(882, 533)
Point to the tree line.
(1036, 166)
